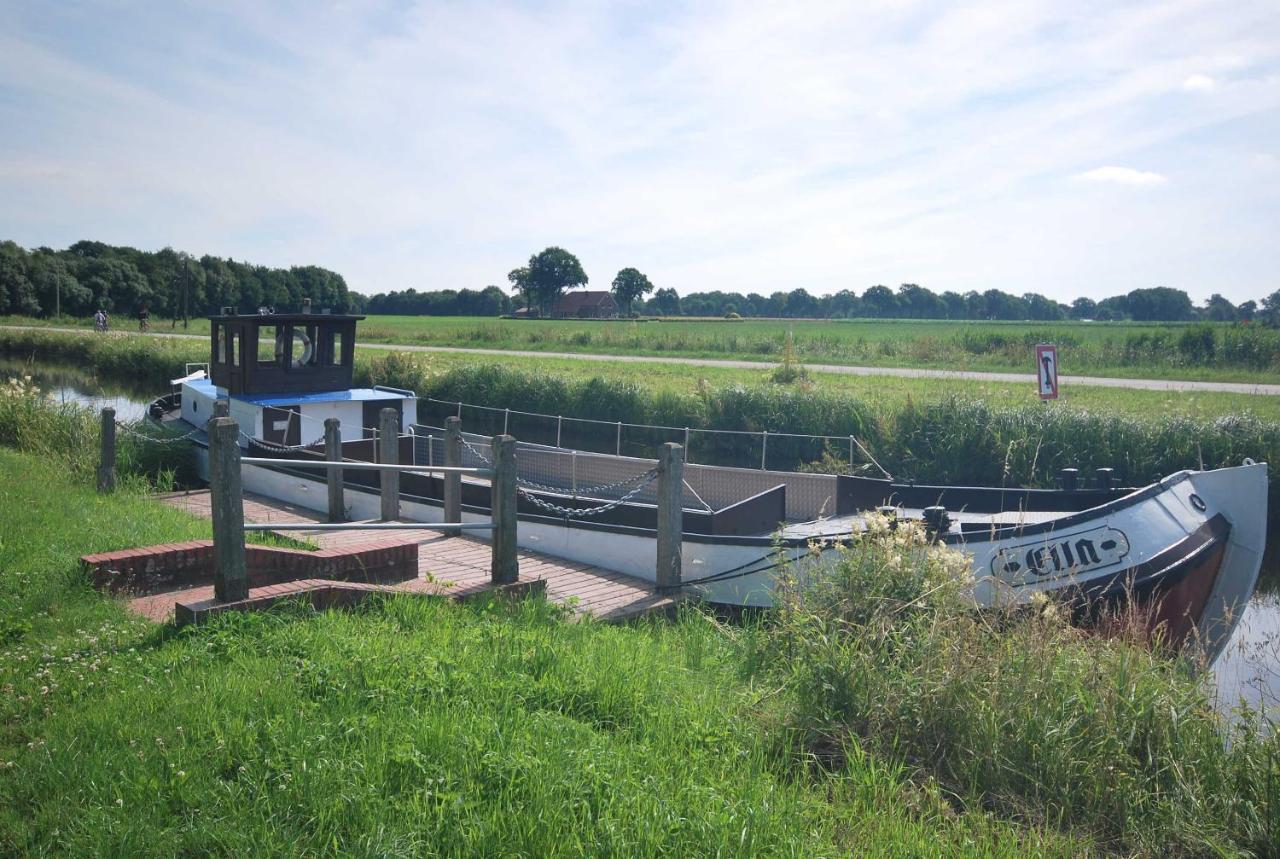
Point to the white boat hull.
(1011, 564)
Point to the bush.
(1197, 345)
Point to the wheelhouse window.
(270, 344)
(336, 340)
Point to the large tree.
(879, 301)
(629, 285)
(1219, 309)
(548, 274)
(1159, 304)
(666, 302)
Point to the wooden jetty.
(454, 567)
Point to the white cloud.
(726, 144)
(1122, 176)
(1199, 83)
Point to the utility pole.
(186, 292)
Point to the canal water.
(1248, 670)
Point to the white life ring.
(307, 348)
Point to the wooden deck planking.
(449, 566)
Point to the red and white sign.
(1047, 370)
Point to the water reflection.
(1249, 668)
(72, 385)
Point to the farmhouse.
(585, 305)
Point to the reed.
(959, 438)
(67, 436)
(1016, 711)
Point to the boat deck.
(455, 567)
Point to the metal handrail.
(347, 465)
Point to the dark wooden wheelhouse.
(282, 353)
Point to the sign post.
(1047, 371)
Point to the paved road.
(900, 372)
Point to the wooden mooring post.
(452, 481)
(504, 568)
(107, 458)
(333, 453)
(226, 503)
(670, 516)
(389, 454)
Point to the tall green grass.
(410, 728)
(1240, 352)
(1016, 711)
(954, 439)
(68, 436)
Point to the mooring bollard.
(333, 453)
(452, 481)
(936, 520)
(107, 457)
(670, 515)
(226, 501)
(389, 454)
(504, 568)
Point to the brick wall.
(153, 569)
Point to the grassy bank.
(413, 727)
(1245, 353)
(146, 365)
(876, 715)
(950, 438)
(66, 436)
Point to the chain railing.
(587, 512)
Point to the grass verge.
(1168, 350)
(413, 728)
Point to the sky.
(1067, 148)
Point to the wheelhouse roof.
(275, 318)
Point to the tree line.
(549, 273)
(89, 276)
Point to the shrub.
(1197, 345)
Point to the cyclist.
(100, 320)
(144, 318)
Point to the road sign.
(1047, 370)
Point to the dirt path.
(900, 372)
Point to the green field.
(1137, 350)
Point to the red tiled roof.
(572, 302)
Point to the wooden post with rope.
(452, 481)
(333, 453)
(107, 457)
(504, 568)
(226, 503)
(389, 454)
(670, 516)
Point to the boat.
(1188, 546)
